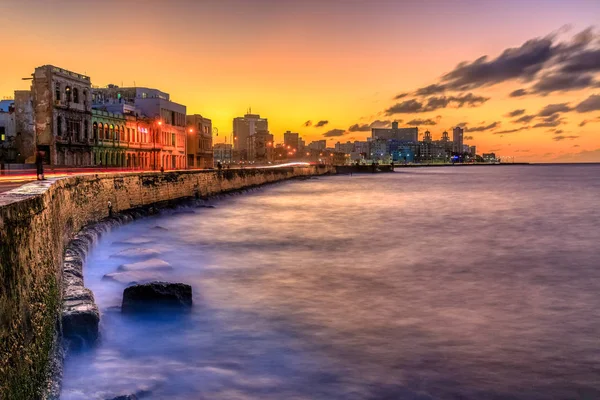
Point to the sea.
(426, 283)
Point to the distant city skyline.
(333, 69)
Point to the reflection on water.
(438, 283)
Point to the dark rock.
(185, 211)
(80, 316)
(125, 397)
(205, 206)
(156, 295)
(159, 228)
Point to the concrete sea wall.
(37, 222)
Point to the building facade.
(457, 139)
(62, 115)
(199, 142)
(402, 134)
(243, 128)
(162, 121)
(260, 147)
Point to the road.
(10, 179)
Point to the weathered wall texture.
(36, 223)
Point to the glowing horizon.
(340, 61)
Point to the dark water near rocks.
(437, 283)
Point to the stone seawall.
(38, 220)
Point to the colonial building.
(162, 122)
(62, 115)
(199, 142)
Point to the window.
(85, 98)
(129, 134)
(57, 92)
(75, 95)
(144, 95)
(173, 139)
(95, 128)
(2, 134)
(68, 94)
(73, 129)
(85, 129)
(59, 126)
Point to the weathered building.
(199, 142)
(165, 121)
(62, 115)
(243, 128)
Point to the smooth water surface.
(430, 283)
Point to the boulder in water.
(150, 296)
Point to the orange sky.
(342, 61)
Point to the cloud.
(429, 90)
(435, 103)
(560, 137)
(367, 127)
(400, 96)
(550, 65)
(587, 121)
(523, 128)
(525, 119)
(515, 113)
(592, 103)
(419, 122)
(407, 106)
(587, 61)
(307, 123)
(552, 109)
(468, 138)
(514, 63)
(562, 82)
(549, 122)
(321, 123)
(518, 93)
(482, 128)
(334, 132)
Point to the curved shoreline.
(42, 222)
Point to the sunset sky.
(347, 62)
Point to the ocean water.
(431, 283)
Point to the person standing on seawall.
(39, 164)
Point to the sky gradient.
(340, 61)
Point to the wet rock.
(80, 316)
(153, 264)
(159, 228)
(156, 295)
(137, 252)
(125, 397)
(135, 277)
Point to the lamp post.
(156, 136)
